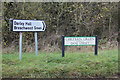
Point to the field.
(52, 65)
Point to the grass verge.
(52, 65)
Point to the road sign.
(28, 25)
(25, 26)
(79, 41)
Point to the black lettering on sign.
(74, 43)
(15, 27)
(28, 23)
(15, 23)
(37, 27)
(18, 23)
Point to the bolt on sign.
(79, 41)
(17, 25)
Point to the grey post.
(10, 23)
(36, 49)
(20, 46)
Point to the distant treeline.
(62, 18)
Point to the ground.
(53, 65)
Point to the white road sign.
(76, 41)
(28, 25)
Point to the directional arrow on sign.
(44, 26)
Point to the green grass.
(52, 65)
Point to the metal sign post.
(10, 23)
(20, 46)
(96, 45)
(36, 49)
(63, 47)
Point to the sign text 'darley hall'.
(28, 25)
